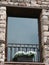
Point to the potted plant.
(22, 56)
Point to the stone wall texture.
(2, 32)
(45, 34)
(44, 19)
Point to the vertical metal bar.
(38, 53)
(26, 49)
(7, 53)
(30, 48)
(10, 53)
(18, 48)
(38, 56)
(34, 56)
(14, 50)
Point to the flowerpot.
(23, 59)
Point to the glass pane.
(24, 33)
(22, 30)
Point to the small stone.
(4, 8)
(21, 4)
(45, 27)
(45, 39)
(46, 33)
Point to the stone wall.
(2, 32)
(45, 35)
(31, 3)
(44, 19)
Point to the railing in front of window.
(13, 48)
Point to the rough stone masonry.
(44, 19)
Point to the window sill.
(24, 63)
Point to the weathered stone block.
(46, 33)
(4, 2)
(39, 2)
(45, 3)
(11, 3)
(45, 22)
(2, 25)
(45, 39)
(47, 0)
(3, 8)
(28, 1)
(3, 17)
(2, 51)
(44, 17)
(45, 27)
(2, 36)
(27, 4)
(46, 13)
(3, 21)
(2, 30)
(1, 56)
